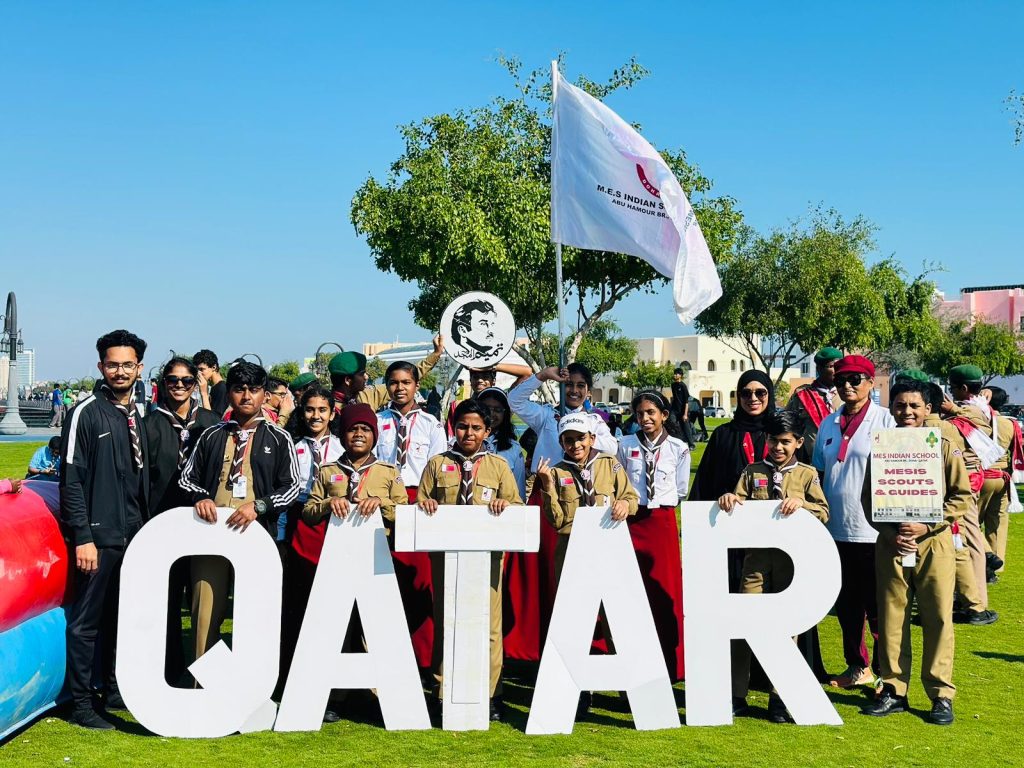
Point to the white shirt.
(671, 471)
(425, 437)
(844, 481)
(516, 462)
(304, 454)
(543, 419)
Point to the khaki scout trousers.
(765, 571)
(211, 582)
(994, 516)
(971, 581)
(932, 580)
(496, 647)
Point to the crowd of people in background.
(287, 456)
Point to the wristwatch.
(260, 506)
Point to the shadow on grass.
(1013, 658)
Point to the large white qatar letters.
(601, 567)
(236, 683)
(467, 535)
(767, 622)
(355, 569)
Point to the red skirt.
(412, 570)
(655, 535)
(529, 592)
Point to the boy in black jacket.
(104, 488)
(247, 464)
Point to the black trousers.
(92, 620)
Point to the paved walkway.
(33, 435)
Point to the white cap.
(576, 422)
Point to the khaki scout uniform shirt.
(377, 396)
(799, 481)
(611, 484)
(381, 481)
(225, 491)
(973, 414)
(443, 475)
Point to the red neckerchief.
(748, 448)
(815, 404)
(848, 426)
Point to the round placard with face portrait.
(478, 329)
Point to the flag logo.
(651, 189)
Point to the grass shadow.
(1012, 658)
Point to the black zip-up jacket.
(96, 461)
(164, 491)
(275, 469)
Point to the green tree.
(645, 374)
(993, 347)
(808, 286)
(782, 392)
(429, 381)
(467, 207)
(286, 370)
(603, 350)
(375, 368)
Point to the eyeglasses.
(186, 381)
(496, 408)
(240, 388)
(753, 394)
(127, 367)
(280, 394)
(853, 379)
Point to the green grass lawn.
(989, 673)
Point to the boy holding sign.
(917, 559)
(469, 474)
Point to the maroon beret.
(358, 413)
(855, 364)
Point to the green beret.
(827, 355)
(965, 374)
(347, 364)
(914, 375)
(302, 380)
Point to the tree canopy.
(467, 207)
(285, 371)
(645, 374)
(808, 286)
(993, 347)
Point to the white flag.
(612, 191)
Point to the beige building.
(714, 366)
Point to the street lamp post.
(12, 343)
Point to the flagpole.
(558, 260)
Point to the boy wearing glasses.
(104, 487)
(247, 464)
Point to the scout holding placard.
(919, 487)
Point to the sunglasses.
(753, 394)
(853, 379)
(186, 381)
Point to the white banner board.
(906, 475)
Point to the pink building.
(995, 303)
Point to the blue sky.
(152, 153)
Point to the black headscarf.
(724, 459)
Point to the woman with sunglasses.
(172, 430)
(842, 453)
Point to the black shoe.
(993, 562)
(87, 717)
(992, 578)
(942, 712)
(886, 704)
(330, 716)
(777, 712)
(586, 699)
(981, 618)
(497, 714)
(739, 706)
(113, 700)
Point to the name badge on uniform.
(566, 481)
(486, 494)
(760, 482)
(336, 478)
(240, 488)
(299, 451)
(634, 453)
(385, 426)
(449, 468)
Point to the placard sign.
(906, 475)
(478, 329)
